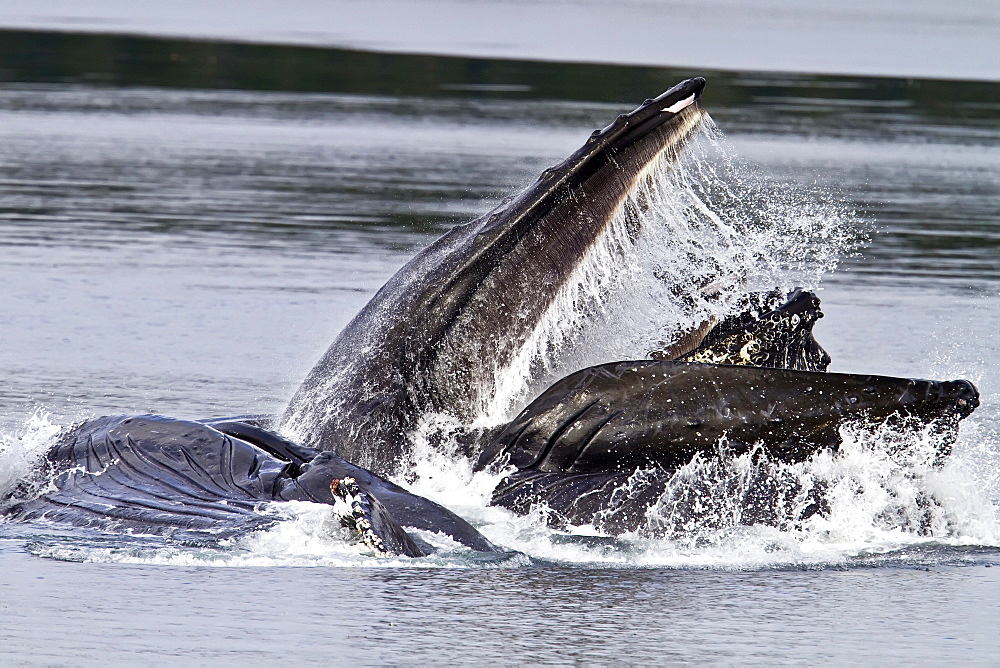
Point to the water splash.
(880, 484)
(884, 499)
(306, 535)
(21, 452)
(881, 496)
(689, 241)
(692, 238)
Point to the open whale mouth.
(606, 446)
(628, 236)
(558, 247)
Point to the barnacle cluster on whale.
(446, 333)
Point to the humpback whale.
(441, 332)
(439, 338)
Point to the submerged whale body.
(441, 336)
(191, 480)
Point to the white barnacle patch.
(678, 106)
(350, 508)
(343, 500)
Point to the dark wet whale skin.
(161, 476)
(577, 448)
(627, 415)
(580, 444)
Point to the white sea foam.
(882, 501)
(883, 491)
(22, 449)
(710, 220)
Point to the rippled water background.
(185, 226)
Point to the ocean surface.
(186, 225)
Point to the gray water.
(191, 250)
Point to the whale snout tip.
(963, 393)
(680, 96)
